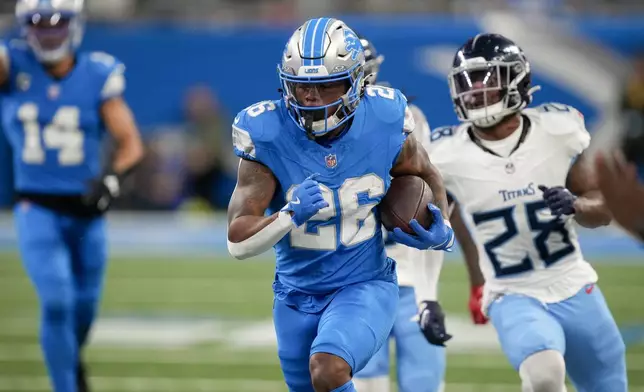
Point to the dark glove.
(559, 199)
(102, 192)
(432, 322)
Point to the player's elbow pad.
(264, 239)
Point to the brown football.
(406, 199)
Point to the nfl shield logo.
(509, 168)
(331, 161)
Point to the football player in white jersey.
(522, 180)
(420, 365)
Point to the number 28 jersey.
(54, 126)
(522, 248)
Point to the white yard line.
(32, 353)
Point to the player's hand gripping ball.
(406, 200)
(306, 201)
(407, 213)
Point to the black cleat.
(81, 378)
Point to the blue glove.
(559, 200)
(306, 201)
(439, 236)
(432, 323)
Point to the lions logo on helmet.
(323, 55)
(353, 45)
(53, 28)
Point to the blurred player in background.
(420, 366)
(56, 108)
(328, 149)
(521, 177)
(620, 166)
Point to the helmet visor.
(479, 87)
(49, 31)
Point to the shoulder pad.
(388, 104)
(105, 63)
(442, 133)
(254, 124)
(563, 122)
(17, 45)
(444, 138)
(566, 117)
(110, 70)
(421, 130)
(14, 51)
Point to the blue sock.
(348, 387)
(59, 347)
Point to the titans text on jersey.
(520, 244)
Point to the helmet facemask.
(320, 119)
(484, 93)
(52, 35)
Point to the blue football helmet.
(53, 28)
(322, 51)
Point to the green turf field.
(205, 326)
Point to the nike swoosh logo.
(295, 201)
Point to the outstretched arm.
(250, 232)
(414, 161)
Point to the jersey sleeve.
(398, 118)
(111, 74)
(243, 143)
(14, 55)
(579, 138)
(567, 124)
(248, 130)
(422, 129)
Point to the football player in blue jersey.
(319, 161)
(57, 106)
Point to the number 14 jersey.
(522, 248)
(53, 125)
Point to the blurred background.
(178, 313)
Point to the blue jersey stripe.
(307, 41)
(319, 38)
